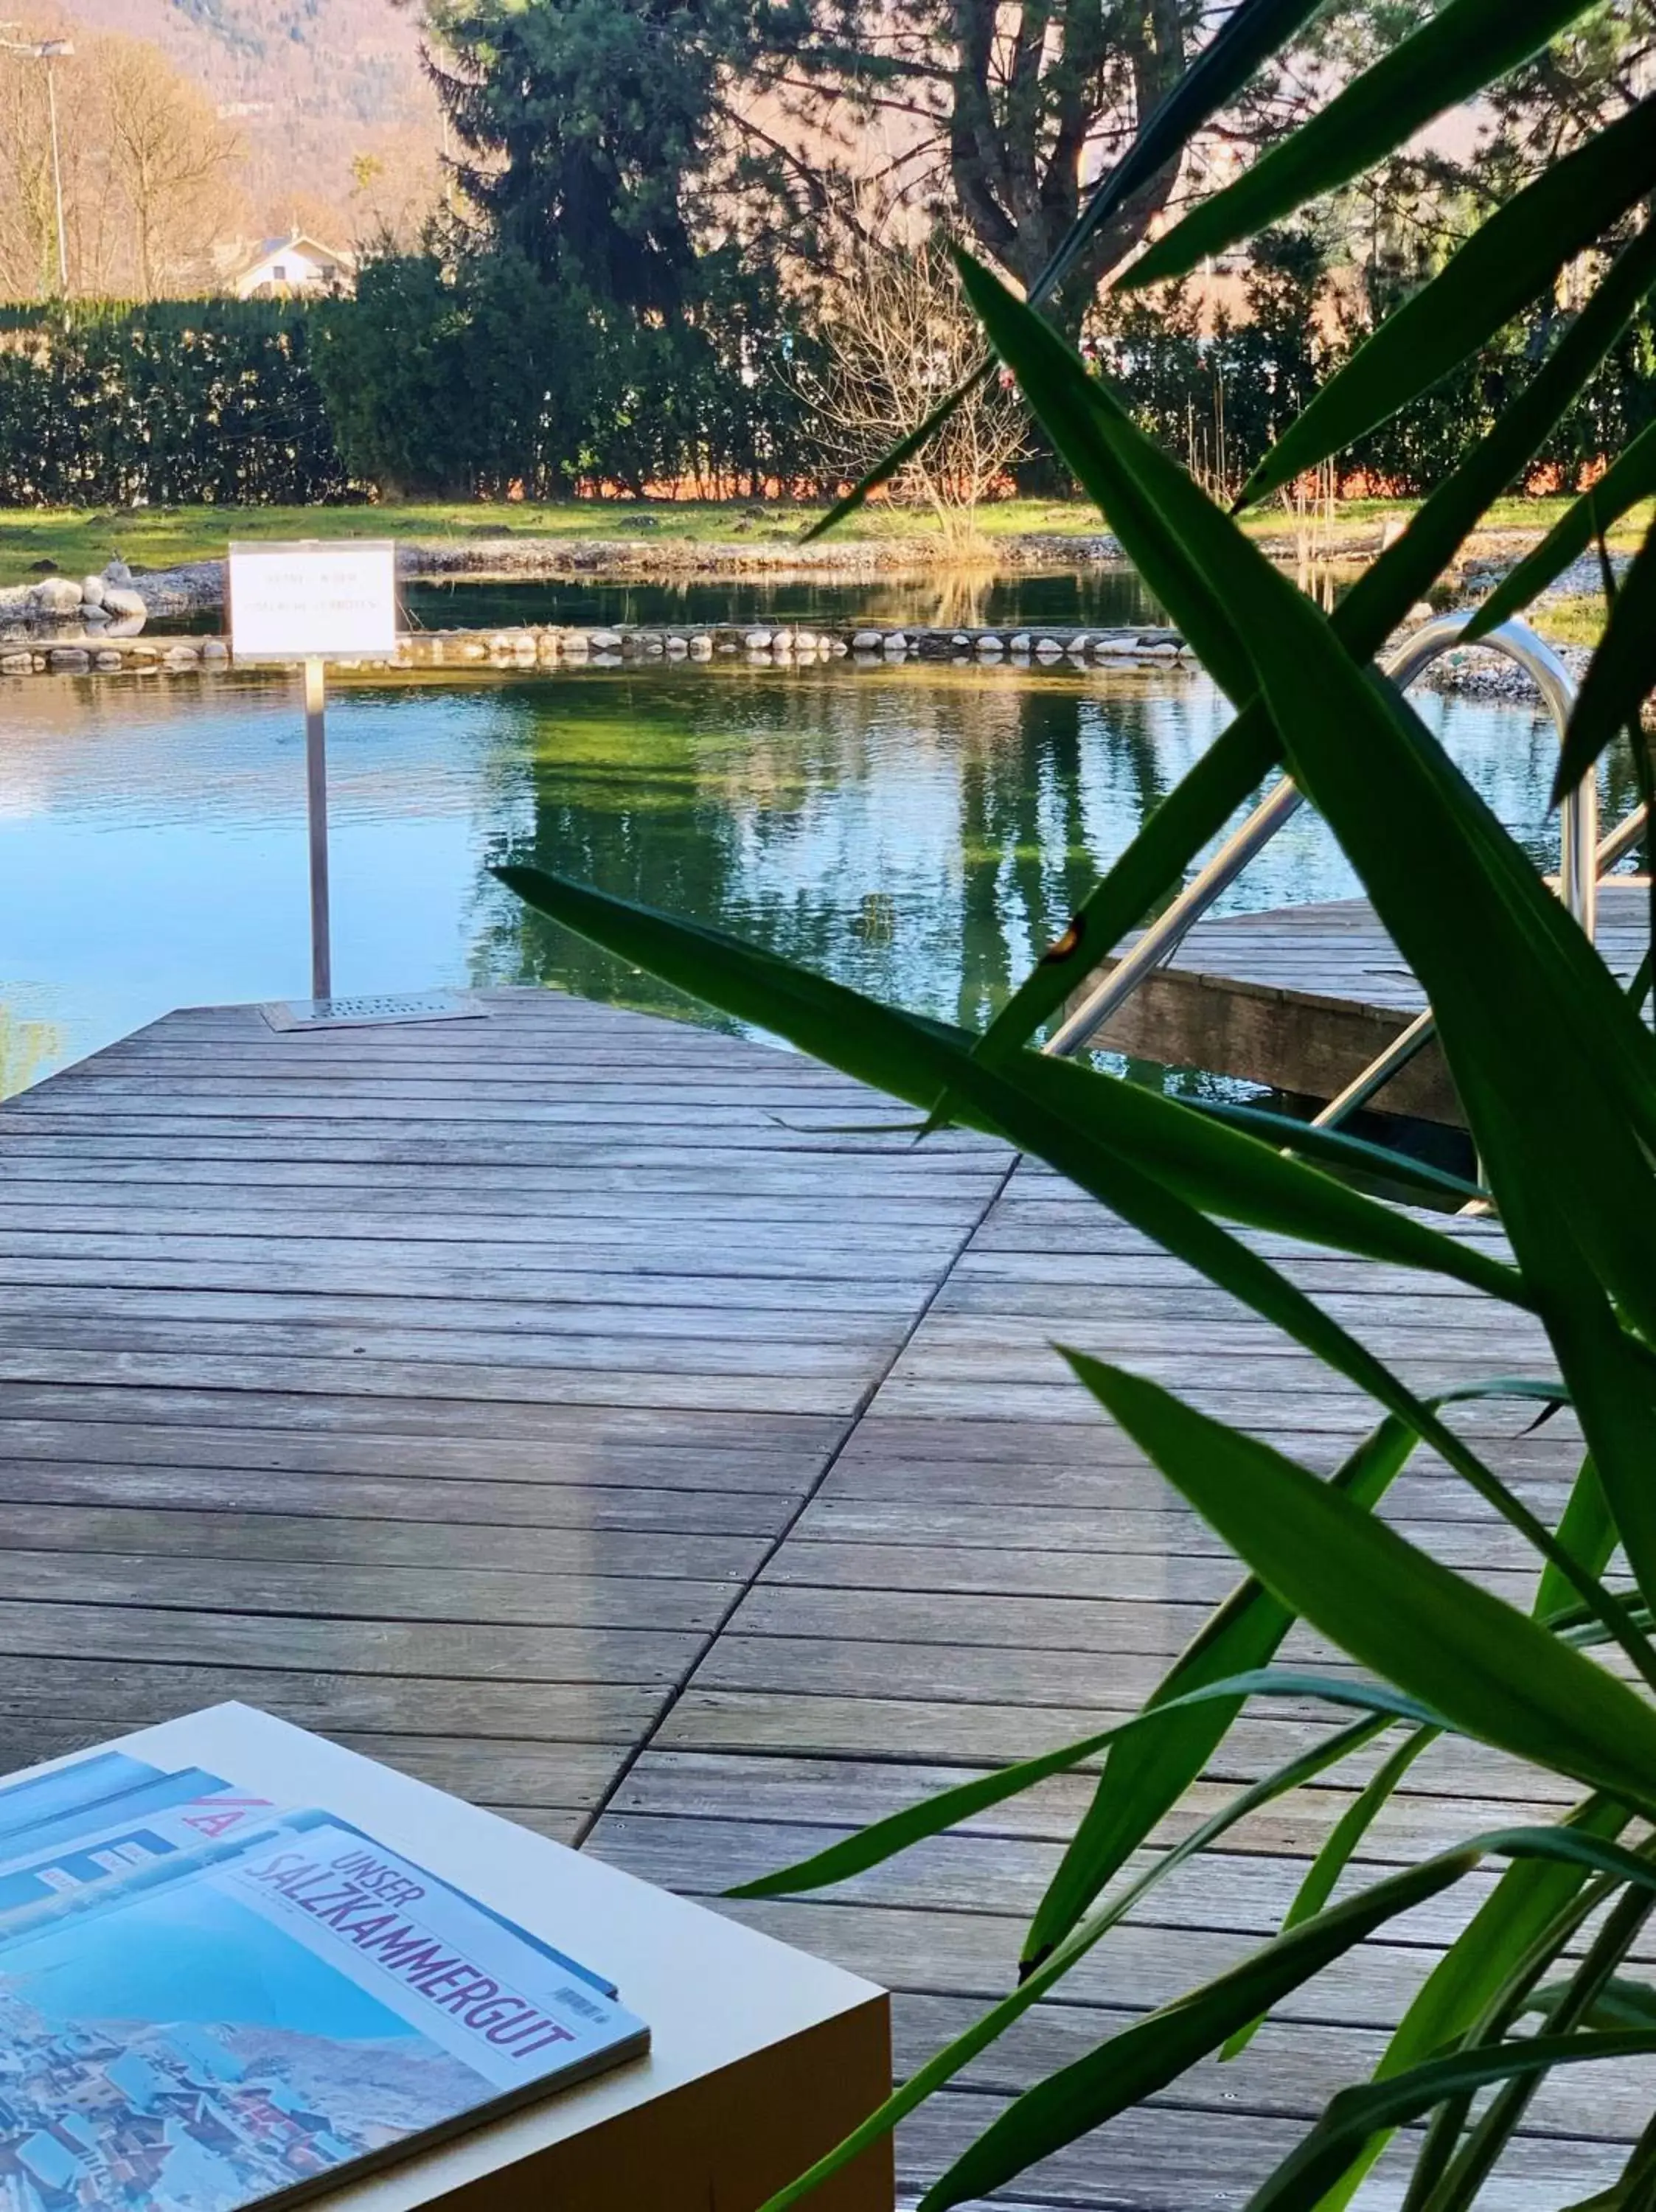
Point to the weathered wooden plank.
(137, 1625)
(829, 1793)
(228, 1535)
(425, 1414)
(460, 1513)
(578, 1598)
(585, 1460)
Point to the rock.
(107, 659)
(896, 642)
(547, 646)
(758, 640)
(92, 591)
(16, 663)
(867, 640)
(961, 642)
(120, 600)
(56, 597)
(606, 640)
(16, 598)
(577, 643)
(1422, 610)
(806, 640)
(653, 647)
(1048, 648)
(990, 647)
(125, 626)
(94, 619)
(70, 659)
(838, 647)
(182, 656)
(701, 648)
(117, 572)
(678, 646)
(214, 649)
(1021, 642)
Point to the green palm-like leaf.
(1500, 959)
(1491, 1670)
(1629, 479)
(1145, 1778)
(1464, 46)
(946, 2064)
(1323, 1875)
(1621, 2002)
(1623, 673)
(1300, 2183)
(1533, 1911)
(1197, 809)
(1588, 1530)
(1503, 266)
(1064, 1114)
(1145, 2057)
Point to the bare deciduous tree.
(170, 158)
(148, 173)
(897, 337)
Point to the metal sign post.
(314, 602)
(316, 804)
(311, 603)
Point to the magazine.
(209, 2000)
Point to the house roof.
(298, 241)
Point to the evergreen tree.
(589, 127)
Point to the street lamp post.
(49, 50)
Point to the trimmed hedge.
(433, 383)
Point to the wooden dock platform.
(620, 1423)
(1303, 998)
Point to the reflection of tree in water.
(921, 834)
(27, 1049)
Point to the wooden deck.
(622, 1426)
(1303, 998)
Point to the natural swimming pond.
(919, 831)
(1106, 597)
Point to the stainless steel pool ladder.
(1583, 858)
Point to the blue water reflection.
(921, 832)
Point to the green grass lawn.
(78, 540)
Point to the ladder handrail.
(1581, 859)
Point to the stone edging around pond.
(1469, 673)
(865, 645)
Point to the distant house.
(298, 263)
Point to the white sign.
(314, 600)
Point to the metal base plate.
(372, 1009)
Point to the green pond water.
(1112, 597)
(921, 832)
